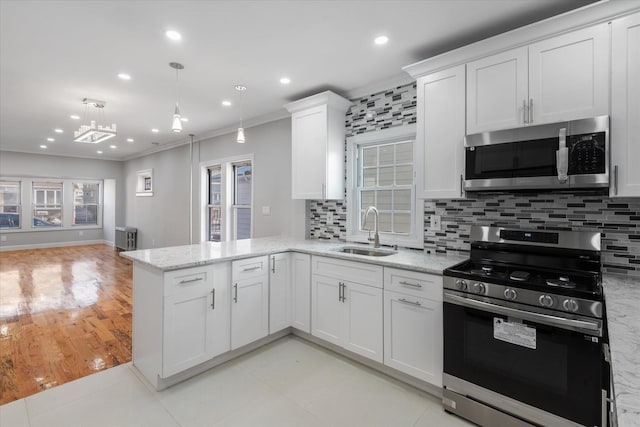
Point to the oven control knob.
(510, 294)
(546, 301)
(461, 284)
(570, 305)
(479, 288)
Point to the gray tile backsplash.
(617, 219)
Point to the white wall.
(38, 165)
(163, 219)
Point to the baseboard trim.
(54, 245)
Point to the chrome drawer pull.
(197, 279)
(257, 267)
(235, 293)
(213, 298)
(415, 285)
(409, 302)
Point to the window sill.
(38, 230)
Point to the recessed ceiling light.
(154, 130)
(184, 119)
(285, 80)
(129, 139)
(50, 139)
(113, 146)
(381, 40)
(75, 117)
(58, 130)
(124, 76)
(43, 146)
(173, 35)
(99, 151)
(226, 103)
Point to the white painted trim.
(328, 98)
(586, 16)
(383, 85)
(105, 158)
(54, 245)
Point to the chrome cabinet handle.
(410, 302)
(615, 180)
(415, 285)
(461, 189)
(344, 288)
(524, 111)
(235, 295)
(340, 291)
(273, 264)
(252, 268)
(213, 298)
(530, 110)
(197, 279)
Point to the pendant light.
(240, 137)
(176, 125)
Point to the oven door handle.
(561, 322)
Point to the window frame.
(227, 198)
(415, 239)
(98, 203)
(28, 204)
(18, 205)
(35, 205)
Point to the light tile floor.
(287, 383)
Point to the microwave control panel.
(587, 153)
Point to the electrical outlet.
(81, 233)
(266, 210)
(329, 217)
(436, 224)
(3, 238)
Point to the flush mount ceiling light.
(94, 133)
(176, 125)
(240, 137)
(173, 35)
(380, 40)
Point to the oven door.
(538, 363)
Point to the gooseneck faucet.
(376, 236)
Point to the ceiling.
(55, 53)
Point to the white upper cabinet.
(497, 89)
(561, 78)
(625, 106)
(317, 146)
(439, 148)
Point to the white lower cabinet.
(346, 313)
(301, 292)
(279, 292)
(249, 301)
(196, 317)
(413, 336)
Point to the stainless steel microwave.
(557, 156)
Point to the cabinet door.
(249, 310)
(326, 309)
(362, 320)
(625, 106)
(309, 153)
(439, 148)
(279, 292)
(301, 292)
(196, 321)
(569, 76)
(497, 88)
(413, 336)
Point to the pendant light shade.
(176, 126)
(240, 137)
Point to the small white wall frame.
(144, 182)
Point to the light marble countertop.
(622, 299)
(177, 257)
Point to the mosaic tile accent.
(319, 227)
(617, 219)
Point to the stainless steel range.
(524, 330)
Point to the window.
(86, 201)
(214, 206)
(47, 204)
(380, 173)
(227, 199)
(242, 200)
(9, 204)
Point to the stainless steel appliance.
(558, 156)
(524, 330)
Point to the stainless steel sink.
(365, 251)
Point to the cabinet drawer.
(249, 267)
(421, 285)
(358, 272)
(188, 278)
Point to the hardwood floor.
(65, 313)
